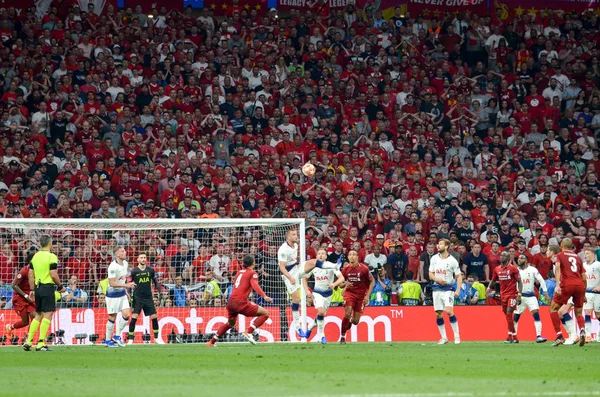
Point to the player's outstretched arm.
(340, 280)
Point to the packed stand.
(471, 128)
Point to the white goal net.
(186, 254)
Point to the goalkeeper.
(143, 276)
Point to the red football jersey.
(508, 277)
(360, 278)
(23, 277)
(245, 281)
(571, 268)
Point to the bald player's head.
(504, 258)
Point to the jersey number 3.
(573, 262)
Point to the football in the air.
(308, 169)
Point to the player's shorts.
(528, 302)
(115, 305)
(147, 305)
(321, 301)
(577, 292)
(246, 308)
(356, 302)
(508, 302)
(298, 274)
(592, 302)
(22, 307)
(45, 300)
(442, 300)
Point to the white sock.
(329, 265)
(296, 314)
(538, 328)
(588, 328)
(121, 323)
(517, 327)
(313, 325)
(321, 324)
(455, 330)
(110, 326)
(442, 329)
(570, 327)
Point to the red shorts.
(22, 307)
(246, 308)
(577, 292)
(356, 302)
(508, 302)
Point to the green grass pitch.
(289, 370)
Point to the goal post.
(187, 255)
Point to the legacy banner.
(378, 324)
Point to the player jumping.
(592, 291)
(359, 284)
(116, 298)
(442, 271)
(23, 303)
(511, 288)
(570, 283)
(321, 294)
(292, 272)
(245, 281)
(143, 277)
(529, 276)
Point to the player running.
(23, 302)
(511, 288)
(443, 269)
(143, 276)
(359, 284)
(570, 283)
(529, 276)
(321, 294)
(592, 291)
(245, 281)
(293, 272)
(116, 298)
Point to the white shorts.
(443, 299)
(593, 302)
(528, 302)
(115, 305)
(297, 274)
(321, 301)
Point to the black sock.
(155, 327)
(132, 326)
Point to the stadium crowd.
(465, 127)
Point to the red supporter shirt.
(571, 269)
(245, 281)
(508, 277)
(542, 263)
(360, 278)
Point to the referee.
(43, 279)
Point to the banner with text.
(378, 324)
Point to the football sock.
(18, 324)
(110, 326)
(121, 323)
(555, 322)
(155, 327)
(321, 323)
(260, 320)
(132, 327)
(516, 322)
(313, 325)
(345, 326)
(441, 327)
(43, 331)
(220, 332)
(296, 314)
(569, 324)
(511, 323)
(454, 325)
(581, 322)
(35, 324)
(538, 324)
(328, 265)
(588, 324)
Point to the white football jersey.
(119, 273)
(287, 253)
(529, 276)
(592, 273)
(446, 269)
(324, 277)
